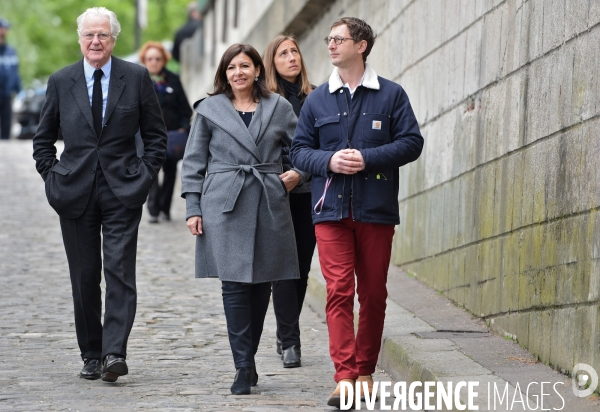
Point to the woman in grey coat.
(236, 200)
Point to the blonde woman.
(286, 75)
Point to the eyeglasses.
(338, 40)
(90, 36)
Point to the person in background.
(286, 75)
(353, 135)
(236, 201)
(176, 113)
(193, 23)
(10, 81)
(99, 185)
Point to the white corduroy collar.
(369, 80)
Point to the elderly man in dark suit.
(99, 185)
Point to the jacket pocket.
(125, 120)
(283, 185)
(127, 108)
(375, 128)
(329, 131)
(207, 183)
(381, 194)
(133, 168)
(60, 169)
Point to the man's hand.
(291, 178)
(194, 223)
(347, 161)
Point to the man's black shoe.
(254, 378)
(113, 367)
(91, 369)
(291, 357)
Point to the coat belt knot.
(240, 176)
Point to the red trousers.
(345, 248)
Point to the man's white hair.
(115, 26)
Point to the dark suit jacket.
(176, 109)
(131, 105)
(184, 32)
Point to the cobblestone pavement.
(179, 356)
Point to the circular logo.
(584, 384)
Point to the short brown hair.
(359, 30)
(222, 87)
(154, 45)
(271, 74)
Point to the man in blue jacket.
(9, 79)
(353, 134)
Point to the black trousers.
(106, 229)
(245, 309)
(288, 295)
(5, 116)
(161, 195)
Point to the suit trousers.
(288, 295)
(245, 307)
(161, 194)
(105, 229)
(5, 116)
(345, 248)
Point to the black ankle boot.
(243, 379)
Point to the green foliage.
(44, 32)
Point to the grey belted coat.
(234, 170)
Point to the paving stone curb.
(405, 357)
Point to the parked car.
(27, 107)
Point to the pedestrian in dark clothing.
(10, 81)
(99, 184)
(353, 135)
(176, 112)
(194, 22)
(286, 74)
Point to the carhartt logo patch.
(376, 124)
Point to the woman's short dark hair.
(359, 30)
(222, 87)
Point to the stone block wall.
(501, 212)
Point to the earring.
(227, 81)
(256, 79)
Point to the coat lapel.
(267, 107)
(221, 112)
(256, 123)
(80, 93)
(115, 88)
